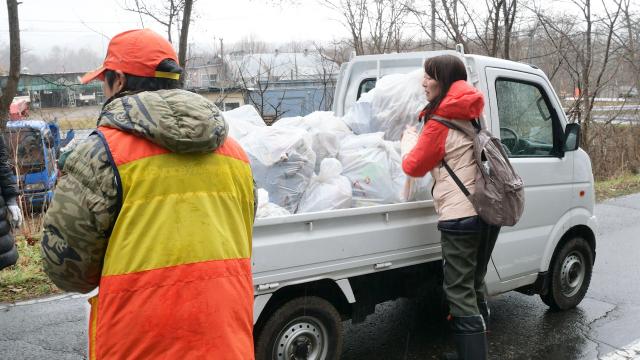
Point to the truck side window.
(365, 86)
(526, 121)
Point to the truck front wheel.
(304, 328)
(570, 274)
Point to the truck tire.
(303, 328)
(570, 273)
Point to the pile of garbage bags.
(321, 162)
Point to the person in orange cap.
(156, 208)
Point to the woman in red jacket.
(467, 241)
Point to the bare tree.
(586, 46)
(326, 71)
(184, 35)
(354, 15)
(630, 41)
(167, 14)
(257, 79)
(171, 13)
(10, 89)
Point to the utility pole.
(433, 24)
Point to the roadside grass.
(618, 186)
(27, 280)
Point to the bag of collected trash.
(242, 121)
(412, 189)
(358, 117)
(417, 189)
(326, 131)
(282, 162)
(372, 165)
(266, 208)
(328, 190)
(396, 101)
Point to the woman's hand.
(408, 140)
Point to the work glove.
(16, 215)
(408, 141)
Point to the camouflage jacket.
(85, 205)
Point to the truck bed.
(340, 244)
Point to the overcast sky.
(89, 23)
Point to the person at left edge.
(10, 213)
(156, 208)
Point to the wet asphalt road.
(607, 320)
(523, 327)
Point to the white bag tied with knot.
(328, 190)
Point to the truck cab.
(312, 271)
(33, 148)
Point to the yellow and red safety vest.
(176, 281)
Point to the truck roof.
(33, 124)
(480, 60)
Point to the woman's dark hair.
(445, 69)
(138, 83)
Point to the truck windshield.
(26, 150)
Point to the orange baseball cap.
(136, 52)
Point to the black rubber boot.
(470, 337)
(483, 306)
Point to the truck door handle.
(383, 265)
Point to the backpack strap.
(456, 179)
(452, 125)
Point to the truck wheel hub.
(302, 339)
(572, 274)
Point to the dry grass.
(83, 117)
(26, 279)
(614, 150)
(619, 186)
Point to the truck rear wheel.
(570, 275)
(307, 328)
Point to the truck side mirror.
(572, 137)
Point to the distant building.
(277, 84)
(286, 84)
(57, 90)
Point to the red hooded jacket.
(462, 103)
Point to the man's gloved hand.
(16, 215)
(409, 140)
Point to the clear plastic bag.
(282, 162)
(266, 208)
(372, 166)
(395, 102)
(242, 121)
(326, 131)
(328, 190)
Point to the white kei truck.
(312, 271)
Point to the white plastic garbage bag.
(326, 131)
(328, 190)
(372, 166)
(409, 188)
(417, 189)
(267, 208)
(282, 161)
(395, 102)
(358, 118)
(242, 121)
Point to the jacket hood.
(178, 120)
(462, 102)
